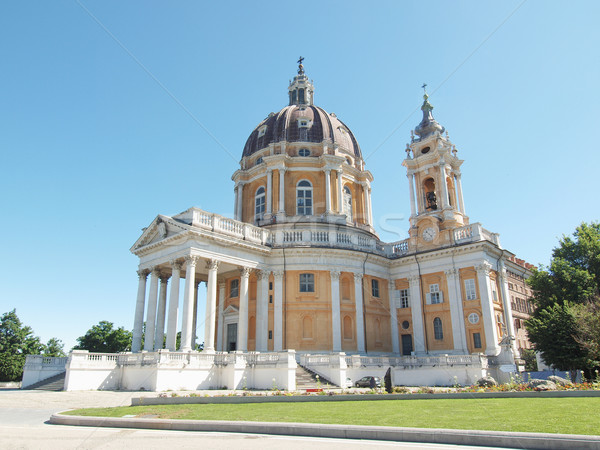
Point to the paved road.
(23, 415)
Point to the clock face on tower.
(429, 234)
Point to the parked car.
(368, 382)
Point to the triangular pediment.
(161, 228)
(231, 311)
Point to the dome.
(302, 123)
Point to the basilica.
(300, 276)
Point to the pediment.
(231, 311)
(161, 228)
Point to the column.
(328, 191)
(138, 318)
(459, 334)
(151, 313)
(508, 317)
(242, 338)
(461, 203)
(188, 303)
(360, 323)
(444, 186)
(240, 197)
(281, 190)
(340, 193)
(160, 315)
(411, 188)
(336, 322)
(211, 306)
(235, 203)
(416, 307)
(173, 307)
(278, 311)
(367, 193)
(269, 192)
(220, 330)
(487, 309)
(394, 319)
(262, 311)
(195, 316)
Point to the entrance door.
(406, 344)
(232, 337)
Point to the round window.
(474, 318)
(304, 152)
(405, 324)
(425, 150)
(259, 160)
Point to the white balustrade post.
(242, 339)
(262, 311)
(188, 303)
(459, 334)
(416, 307)
(173, 307)
(360, 324)
(281, 190)
(487, 309)
(411, 188)
(269, 192)
(278, 311)
(461, 202)
(328, 191)
(160, 315)
(211, 306)
(221, 319)
(340, 196)
(151, 313)
(138, 318)
(394, 318)
(336, 323)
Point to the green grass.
(543, 415)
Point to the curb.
(534, 441)
(141, 401)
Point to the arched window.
(438, 331)
(348, 202)
(304, 198)
(259, 203)
(429, 193)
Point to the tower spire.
(428, 124)
(301, 89)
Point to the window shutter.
(428, 298)
(441, 294)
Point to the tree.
(587, 319)
(103, 338)
(54, 347)
(16, 342)
(562, 294)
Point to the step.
(55, 383)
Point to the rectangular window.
(307, 282)
(270, 299)
(470, 291)
(270, 334)
(270, 285)
(375, 288)
(403, 298)
(477, 340)
(435, 294)
(234, 288)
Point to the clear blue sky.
(112, 112)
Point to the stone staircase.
(55, 383)
(307, 379)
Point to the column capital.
(392, 285)
(222, 284)
(414, 278)
(143, 273)
(164, 277)
(155, 271)
(451, 272)
(175, 265)
(484, 268)
(245, 272)
(457, 174)
(212, 264)
(281, 168)
(191, 260)
(327, 170)
(358, 276)
(335, 274)
(278, 275)
(263, 274)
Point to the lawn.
(536, 415)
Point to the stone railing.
(313, 235)
(46, 361)
(416, 361)
(474, 232)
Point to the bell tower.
(434, 177)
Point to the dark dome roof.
(285, 126)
